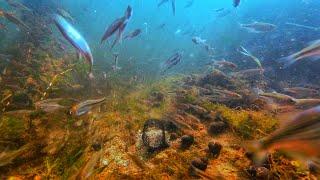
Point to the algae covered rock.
(154, 136)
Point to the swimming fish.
(173, 5)
(172, 61)
(249, 54)
(313, 50)
(115, 67)
(18, 5)
(300, 137)
(133, 34)
(198, 40)
(225, 64)
(236, 3)
(301, 92)
(65, 14)
(259, 27)
(115, 25)
(189, 4)
(75, 39)
(118, 26)
(279, 98)
(84, 107)
(11, 17)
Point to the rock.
(259, 172)
(214, 148)
(217, 78)
(157, 96)
(200, 163)
(153, 135)
(216, 128)
(186, 141)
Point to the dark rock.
(153, 135)
(200, 163)
(259, 172)
(214, 148)
(186, 141)
(170, 126)
(96, 146)
(216, 128)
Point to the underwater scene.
(159, 89)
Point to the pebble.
(200, 163)
(216, 128)
(214, 148)
(186, 141)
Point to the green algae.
(246, 123)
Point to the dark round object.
(153, 135)
(96, 146)
(216, 128)
(170, 126)
(214, 148)
(186, 141)
(200, 163)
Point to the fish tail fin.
(256, 150)
(287, 61)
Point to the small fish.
(11, 17)
(172, 61)
(18, 5)
(236, 3)
(75, 39)
(225, 64)
(223, 13)
(259, 27)
(118, 26)
(248, 73)
(65, 14)
(301, 91)
(173, 5)
(115, 67)
(300, 138)
(313, 50)
(280, 98)
(162, 2)
(49, 105)
(249, 54)
(133, 34)
(307, 103)
(219, 10)
(84, 107)
(115, 25)
(198, 40)
(189, 4)
(161, 26)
